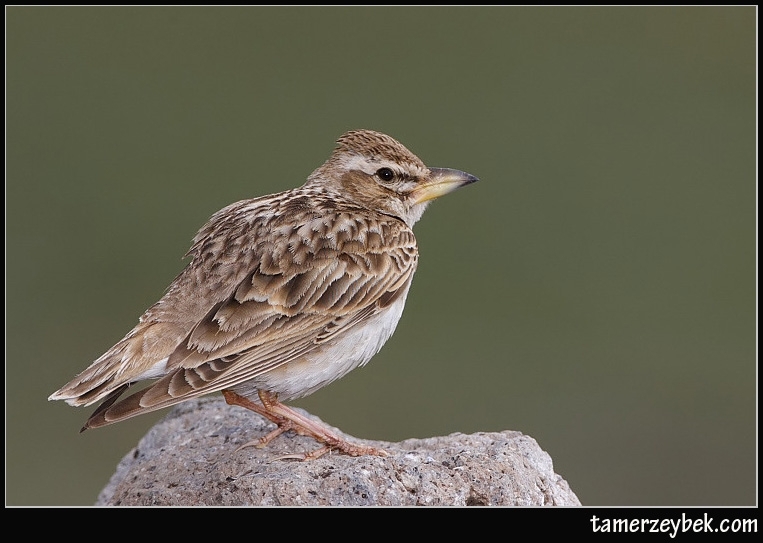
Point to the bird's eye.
(385, 174)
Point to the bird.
(281, 295)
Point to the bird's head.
(378, 172)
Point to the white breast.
(337, 358)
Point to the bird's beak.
(441, 181)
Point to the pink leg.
(288, 419)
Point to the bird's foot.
(287, 419)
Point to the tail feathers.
(95, 383)
(167, 391)
(132, 359)
(98, 414)
(111, 411)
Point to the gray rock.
(191, 457)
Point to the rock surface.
(190, 458)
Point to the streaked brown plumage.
(283, 294)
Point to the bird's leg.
(231, 398)
(282, 424)
(288, 419)
(320, 432)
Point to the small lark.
(283, 294)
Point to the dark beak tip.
(466, 178)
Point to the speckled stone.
(190, 458)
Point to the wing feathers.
(286, 299)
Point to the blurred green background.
(596, 290)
